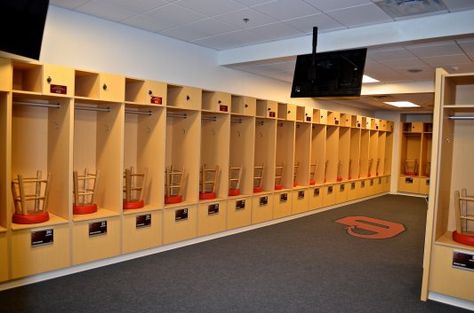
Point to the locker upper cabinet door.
(308, 114)
(111, 87)
(244, 105)
(6, 74)
(58, 80)
(154, 92)
(216, 101)
(323, 117)
(184, 97)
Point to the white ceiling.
(219, 25)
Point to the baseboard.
(397, 193)
(465, 304)
(126, 257)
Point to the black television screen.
(22, 25)
(334, 74)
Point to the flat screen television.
(334, 74)
(22, 25)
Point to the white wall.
(81, 41)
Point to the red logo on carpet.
(372, 228)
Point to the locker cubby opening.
(216, 101)
(300, 114)
(344, 154)
(40, 141)
(388, 153)
(27, 77)
(183, 137)
(356, 121)
(334, 118)
(5, 193)
(144, 134)
(364, 153)
(242, 134)
(373, 153)
(381, 157)
(87, 84)
(346, 120)
(134, 89)
(265, 145)
(426, 155)
(410, 154)
(354, 159)
(215, 130)
(302, 154)
(320, 116)
(284, 154)
(243, 105)
(184, 97)
(267, 108)
(427, 127)
(459, 90)
(98, 140)
(287, 111)
(318, 154)
(332, 153)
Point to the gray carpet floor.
(306, 265)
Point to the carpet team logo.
(371, 228)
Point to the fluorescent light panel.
(402, 104)
(367, 79)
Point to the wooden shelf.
(145, 209)
(181, 204)
(53, 220)
(211, 200)
(460, 107)
(101, 213)
(447, 240)
(143, 105)
(3, 229)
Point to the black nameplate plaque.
(362, 184)
(142, 221)
(271, 114)
(308, 119)
(301, 194)
(223, 108)
(97, 228)
(342, 188)
(263, 201)
(316, 192)
(181, 214)
(213, 209)
(353, 186)
(240, 205)
(58, 89)
(330, 189)
(284, 197)
(463, 260)
(156, 100)
(42, 237)
(409, 180)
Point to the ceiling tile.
(146, 22)
(68, 4)
(287, 9)
(228, 40)
(467, 47)
(435, 49)
(360, 15)
(106, 9)
(457, 5)
(211, 7)
(275, 31)
(447, 60)
(330, 5)
(137, 6)
(404, 64)
(322, 21)
(200, 29)
(172, 15)
(392, 53)
(252, 2)
(255, 18)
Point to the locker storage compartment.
(179, 223)
(216, 101)
(388, 153)
(264, 160)
(287, 111)
(212, 217)
(334, 118)
(242, 134)
(353, 191)
(315, 195)
(6, 75)
(301, 169)
(144, 134)
(412, 127)
(95, 239)
(214, 175)
(98, 140)
(363, 188)
(183, 137)
(145, 92)
(242, 105)
(374, 160)
(381, 157)
(267, 108)
(379, 185)
(329, 196)
(354, 154)
(262, 208)
(39, 250)
(4, 260)
(308, 114)
(184, 97)
(318, 154)
(284, 155)
(424, 185)
(301, 201)
(409, 184)
(342, 192)
(332, 152)
(282, 204)
(372, 186)
(320, 116)
(239, 212)
(99, 86)
(344, 154)
(356, 121)
(386, 180)
(346, 120)
(142, 230)
(364, 154)
(40, 156)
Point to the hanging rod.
(237, 121)
(461, 117)
(209, 118)
(184, 115)
(39, 104)
(260, 123)
(148, 112)
(95, 109)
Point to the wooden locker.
(212, 217)
(262, 208)
(142, 231)
(409, 184)
(315, 198)
(282, 204)
(58, 80)
(4, 257)
(179, 223)
(239, 212)
(329, 195)
(301, 200)
(342, 193)
(216, 101)
(6, 75)
(184, 97)
(244, 105)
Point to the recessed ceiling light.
(245, 20)
(367, 79)
(402, 104)
(414, 70)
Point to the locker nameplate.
(223, 108)
(213, 209)
(58, 89)
(42, 237)
(284, 197)
(316, 192)
(263, 201)
(240, 205)
(97, 228)
(142, 221)
(301, 194)
(156, 100)
(181, 214)
(463, 260)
